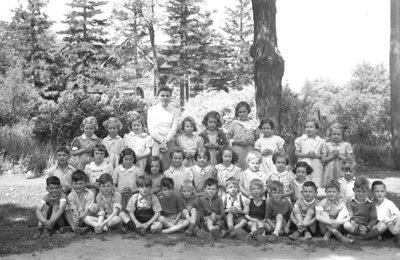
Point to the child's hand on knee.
(363, 230)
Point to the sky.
(317, 38)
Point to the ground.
(17, 225)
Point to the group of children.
(237, 184)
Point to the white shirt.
(162, 122)
(346, 188)
(387, 211)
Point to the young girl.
(126, 174)
(154, 170)
(282, 175)
(268, 145)
(98, 167)
(177, 172)
(202, 170)
(309, 150)
(253, 172)
(82, 145)
(113, 142)
(334, 152)
(241, 133)
(188, 141)
(214, 138)
(138, 141)
(302, 171)
(226, 168)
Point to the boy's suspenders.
(240, 201)
(151, 202)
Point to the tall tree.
(239, 29)
(85, 44)
(395, 79)
(268, 63)
(32, 41)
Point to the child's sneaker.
(215, 233)
(296, 234)
(307, 235)
(273, 238)
(38, 233)
(190, 229)
(261, 238)
(249, 238)
(65, 229)
(201, 233)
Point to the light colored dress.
(80, 161)
(179, 175)
(140, 144)
(248, 175)
(114, 148)
(305, 144)
(333, 169)
(94, 171)
(286, 178)
(274, 143)
(245, 131)
(224, 173)
(189, 145)
(201, 174)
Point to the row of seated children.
(208, 214)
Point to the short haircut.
(276, 186)
(234, 154)
(309, 170)
(63, 149)
(79, 175)
(312, 120)
(240, 105)
(361, 182)
(266, 121)
(135, 116)
(176, 150)
(333, 184)
(253, 155)
(210, 182)
(257, 183)
(310, 184)
(280, 155)
(349, 164)
(53, 180)
(147, 169)
(143, 181)
(187, 184)
(112, 121)
(212, 114)
(376, 183)
(232, 181)
(335, 126)
(104, 178)
(91, 120)
(167, 183)
(101, 148)
(202, 151)
(190, 120)
(125, 152)
(164, 88)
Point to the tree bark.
(268, 63)
(395, 79)
(150, 26)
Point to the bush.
(373, 155)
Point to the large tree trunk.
(268, 63)
(395, 79)
(154, 49)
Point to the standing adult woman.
(162, 122)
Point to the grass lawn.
(19, 196)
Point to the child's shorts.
(218, 222)
(237, 218)
(125, 197)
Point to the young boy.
(62, 169)
(172, 207)
(303, 215)
(143, 208)
(109, 206)
(191, 204)
(387, 212)
(362, 212)
(80, 201)
(211, 208)
(51, 209)
(331, 213)
(277, 212)
(234, 205)
(347, 181)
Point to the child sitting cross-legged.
(362, 212)
(387, 212)
(303, 215)
(234, 205)
(254, 210)
(108, 204)
(80, 201)
(50, 211)
(172, 207)
(331, 213)
(211, 208)
(143, 208)
(277, 212)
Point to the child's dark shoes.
(201, 233)
(38, 233)
(273, 238)
(295, 235)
